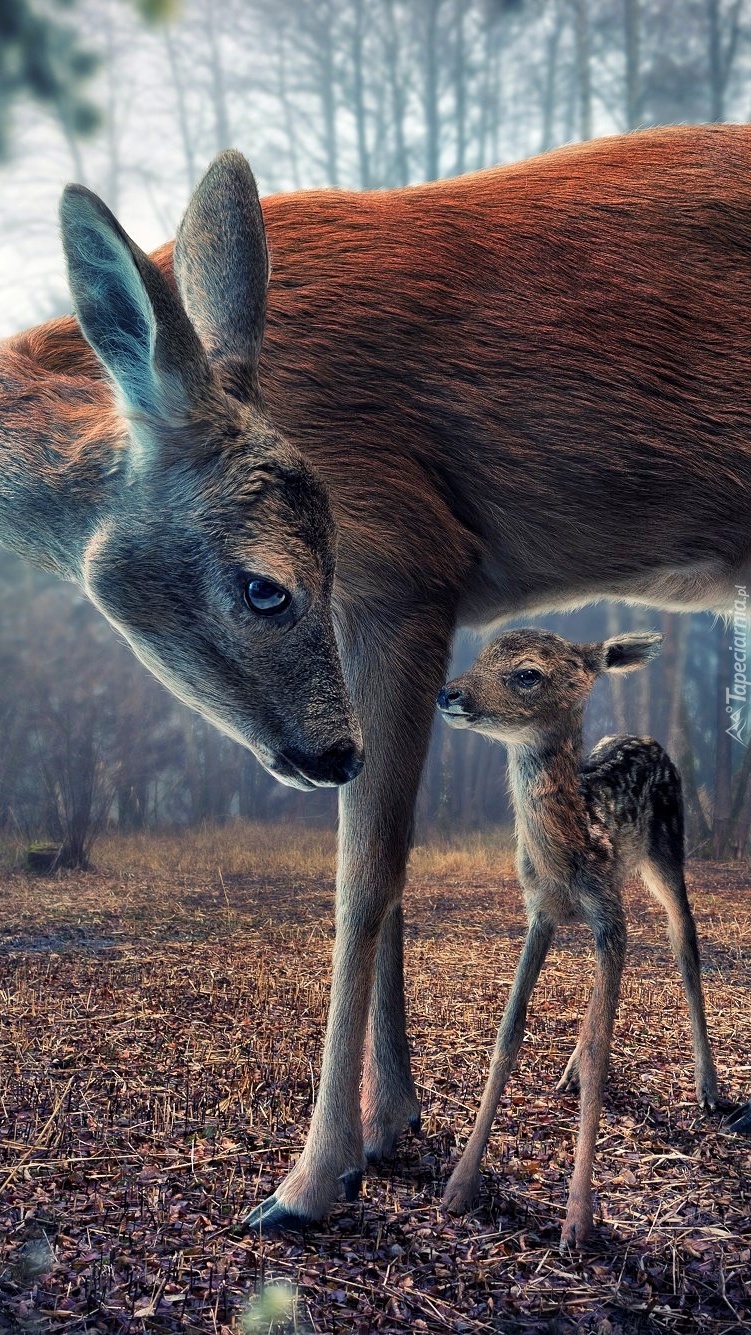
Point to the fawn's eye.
(525, 678)
(264, 597)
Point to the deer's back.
(515, 372)
(632, 789)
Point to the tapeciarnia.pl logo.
(736, 696)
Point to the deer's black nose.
(449, 696)
(342, 762)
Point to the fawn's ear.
(222, 271)
(625, 652)
(130, 315)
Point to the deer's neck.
(60, 462)
(547, 797)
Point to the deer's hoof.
(271, 1216)
(351, 1184)
(739, 1121)
(382, 1136)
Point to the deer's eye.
(525, 678)
(264, 597)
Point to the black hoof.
(739, 1121)
(351, 1184)
(415, 1124)
(271, 1216)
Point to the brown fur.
(523, 389)
(581, 826)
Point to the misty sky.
(137, 160)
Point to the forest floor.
(161, 1021)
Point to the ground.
(160, 1043)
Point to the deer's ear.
(624, 653)
(222, 271)
(129, 314)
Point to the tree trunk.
(617, 693)
(460, 84)
(723, 748)
(676, 685)
(632, 35)
(583, 71)
(432, 129)
(182, 109)
(716, 82)
(686, 756)
(287, 111)
(721, 62)
(397, 95)
(359, 96)
(549, 85)
(223, 130)
(328, 95)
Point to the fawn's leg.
(569, 1082)
(607, 921)
(464, 1183)
(664, 879)
(389, 1101)
(394, 674)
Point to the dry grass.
(270, 850)
(159, 1055)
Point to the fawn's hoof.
(739, 1121)
(707, 1093)
(271, 1216)
(576, 1233)
(461, 1193)
(569, 1082)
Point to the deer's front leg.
(464, 1184)
(394, 682)
(609, 926)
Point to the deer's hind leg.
(662, 873)
(604, 914)
(389, 1100)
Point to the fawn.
(583, 824)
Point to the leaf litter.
(159, 1062)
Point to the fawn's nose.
(450, 697)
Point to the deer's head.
(215, 552)
(526, 684)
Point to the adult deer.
(521, 389)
